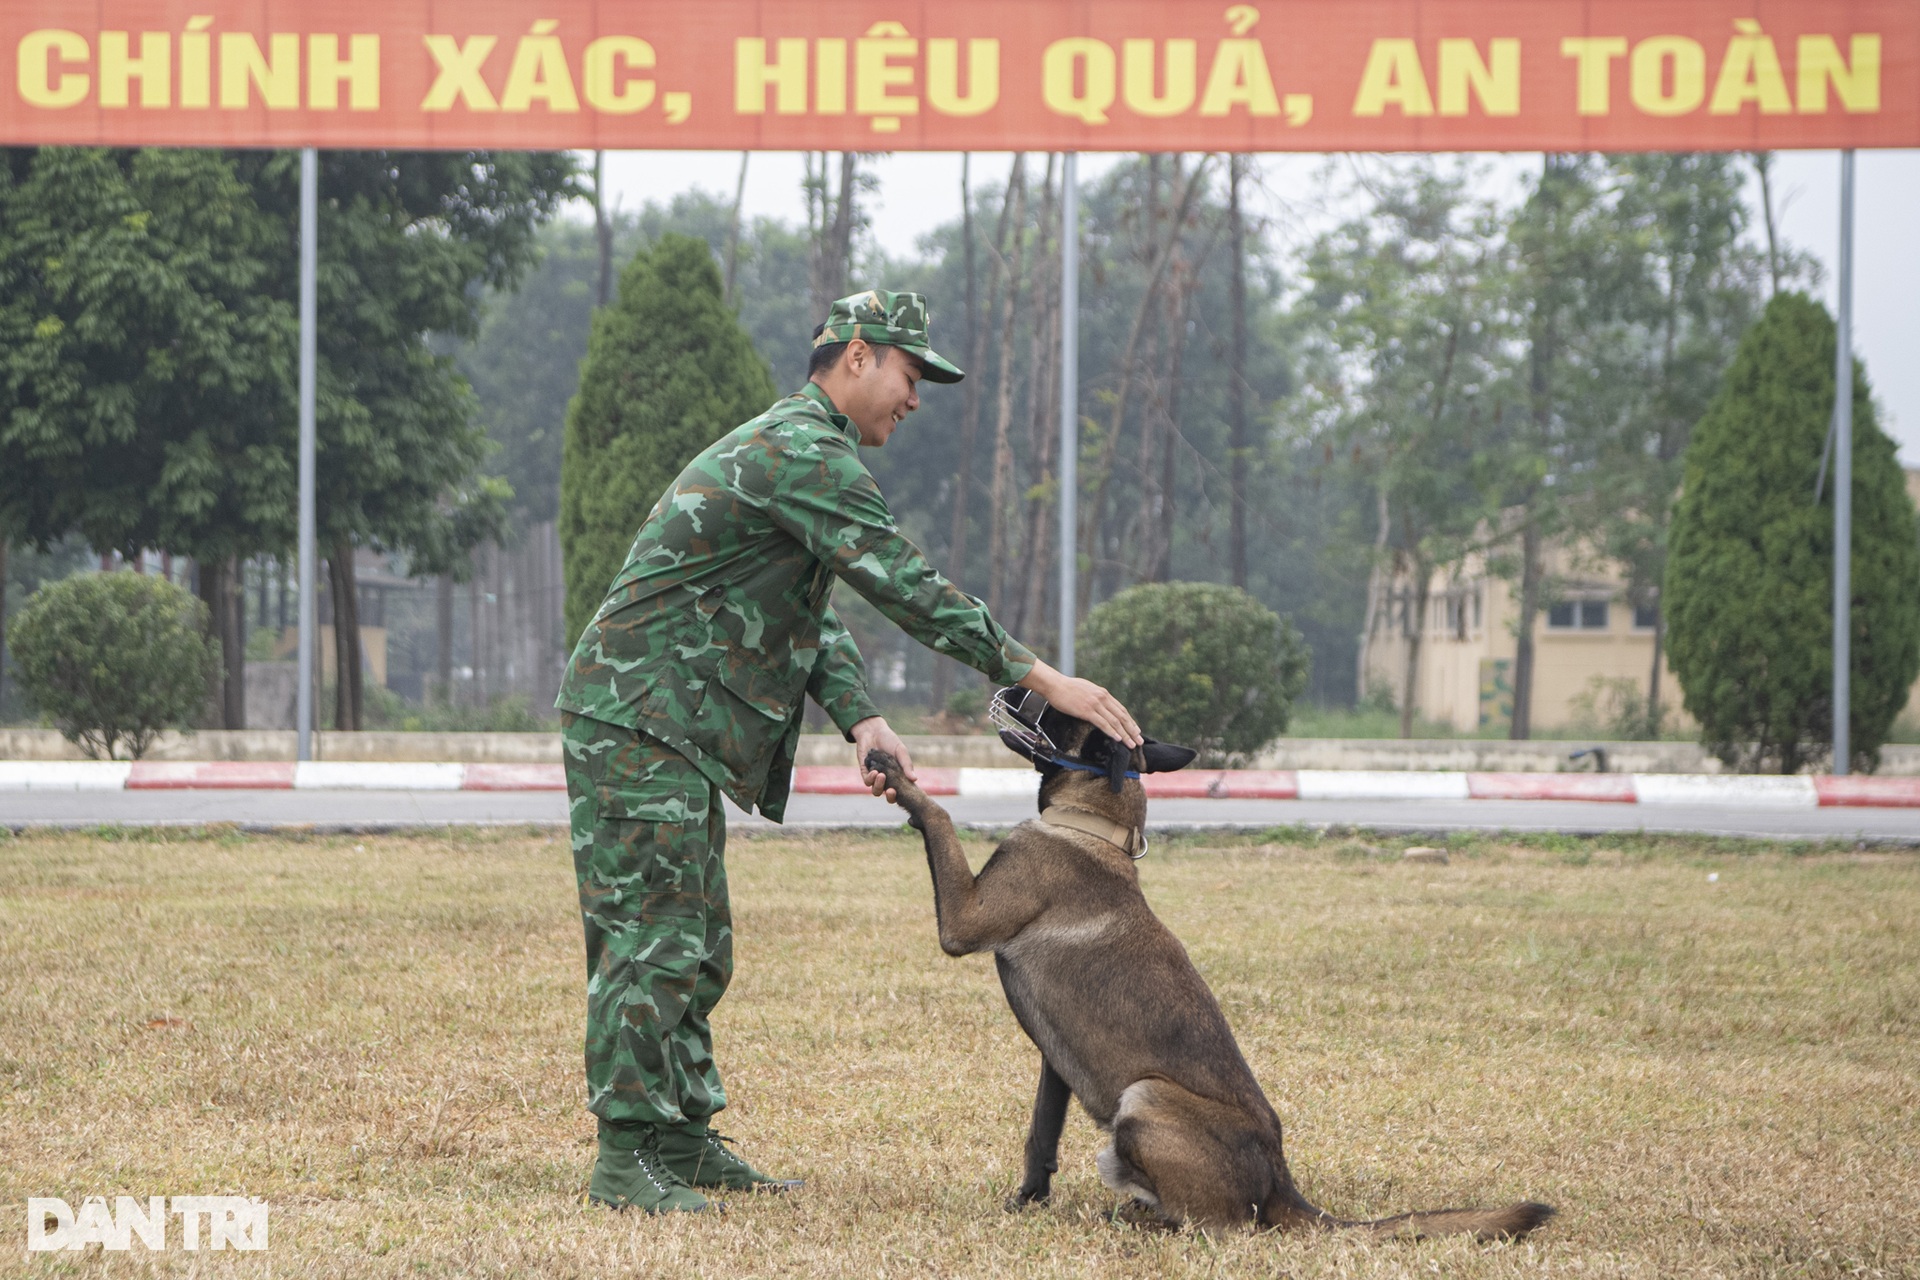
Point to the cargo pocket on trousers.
(655, 855)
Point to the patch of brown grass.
(380, 1036)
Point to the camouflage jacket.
(721, 621)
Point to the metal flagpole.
(1843, 483)
(309, 234)
(1069, 403)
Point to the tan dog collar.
(1128, 840)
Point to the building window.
(1646, 616)
(1578, 615)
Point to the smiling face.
(876, 387)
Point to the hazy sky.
(918, 192)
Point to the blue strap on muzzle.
(1085, 768)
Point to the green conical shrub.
(1749, 585)
(668, 370)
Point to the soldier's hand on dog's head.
(875, 734)
(1086, 700)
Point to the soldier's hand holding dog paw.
(875, 734)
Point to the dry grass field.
(1709, 1076)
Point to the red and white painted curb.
(1745, 791)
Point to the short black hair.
(824, 358)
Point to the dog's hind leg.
(1043, 1137)
(1191, 1158)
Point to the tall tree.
(972, 391)
(1749, 583)
(145, 363)
(410, 242)
(1237, 441)
(668, 370)
(1698, 287)
(834, 222)
(1574, 280)
(1411, 365)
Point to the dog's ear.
(1164, 757)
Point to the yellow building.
(1593, 652)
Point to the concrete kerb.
(954, 751)
(1733, 791)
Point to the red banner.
(877, 75)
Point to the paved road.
(374, 810)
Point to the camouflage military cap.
(890, 319)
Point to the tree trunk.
(1522, 727)
(602, 229)
(226, 688)
(831, 220)
(969, 410)
(348, 704)
(1162, 568)
(3, 630)
(733, 226)
(1044, 385)
(1374, 591)
(1415, 629)
(443, 639)
(1002, 483)
(1237, 445)
(477, 684)
(1095, 514)
(970, 397)
(1762, 164)
(1653, 676)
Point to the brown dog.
(1122, 1019)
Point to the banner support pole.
(1843, 485)
(309, 234)
(1069, 405)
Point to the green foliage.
(668, 370)
(148, 333)
(1611, 707)
(525, 363)
(146, 353)
(1749, 585)
(503, 713)
(1197, 663)
(969, 703)
(114, 658)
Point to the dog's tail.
(1288, 1210)
(1512, 1222)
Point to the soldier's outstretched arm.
(838, 681)
(830, 503)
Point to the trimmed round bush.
(114, 658)
(1200, 664)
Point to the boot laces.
(656, 1170)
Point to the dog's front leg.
(968, 922)
(1043, 1137)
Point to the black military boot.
(631, 1173)
(702, 1158)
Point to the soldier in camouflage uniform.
(688, 684)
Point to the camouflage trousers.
(649, 843)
